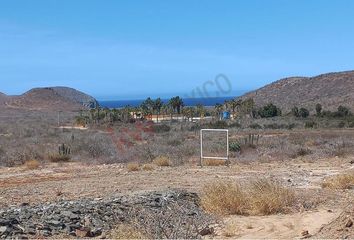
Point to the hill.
(52, 98)
(76, 96)
(330, 90)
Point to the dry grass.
(258, 197)
(32, 164)
(269, 197)
(148, 167)
(340, 181)
(133, 167)
(224, 198)
(125, 231)
(214, 162)
(162, 161)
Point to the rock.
(92, 218)
(3, 230)
(206, 231)
(83, 232)
(305, 234)
(349, 223)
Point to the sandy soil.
(74, 180)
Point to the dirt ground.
(75, 180)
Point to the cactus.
(64, 150)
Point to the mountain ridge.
(329, 89)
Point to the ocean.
(187, 102)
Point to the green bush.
(269, 110)
(304, 113)
(234, 147)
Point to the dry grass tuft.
(340, 181)
(148, 167)
(162, 161)
(269, 197)
(259, 197)
(224, 198)
(214, 162)
(133, 167)
(32, 164)
(125, 231)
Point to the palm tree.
(219, 108)
(200, 110)
(157, 107)
(147, 107)
(235, 104)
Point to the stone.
(3, 229)
(206, 231)
(83, 232)
(349, 223)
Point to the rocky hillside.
(76, 96)
(51, 98)
(330, 90)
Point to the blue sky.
(133, 49)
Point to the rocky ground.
(96, 217)
(76, 200)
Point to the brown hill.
(56, 98)
(330, 90)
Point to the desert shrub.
(224, 198)
(255, 126)
(341, 124)
(133, 167)
(303, 152)
(318, 109)
(270, 197)
(221, 124)
(291, 126)
(234, 146)
(276, 126)
(214, 162)
(162, 161)
(340, 181)
(161, 128)
(342, 111)
(258, 197)
(32, 164)
(269, 111)
(125, 231)
(235, 125)
(310, 124)
(304, 113)
(174, 142)
(195, 127)
(148, 167)
(295, 112)
(59, 158)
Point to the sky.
(116, 49)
